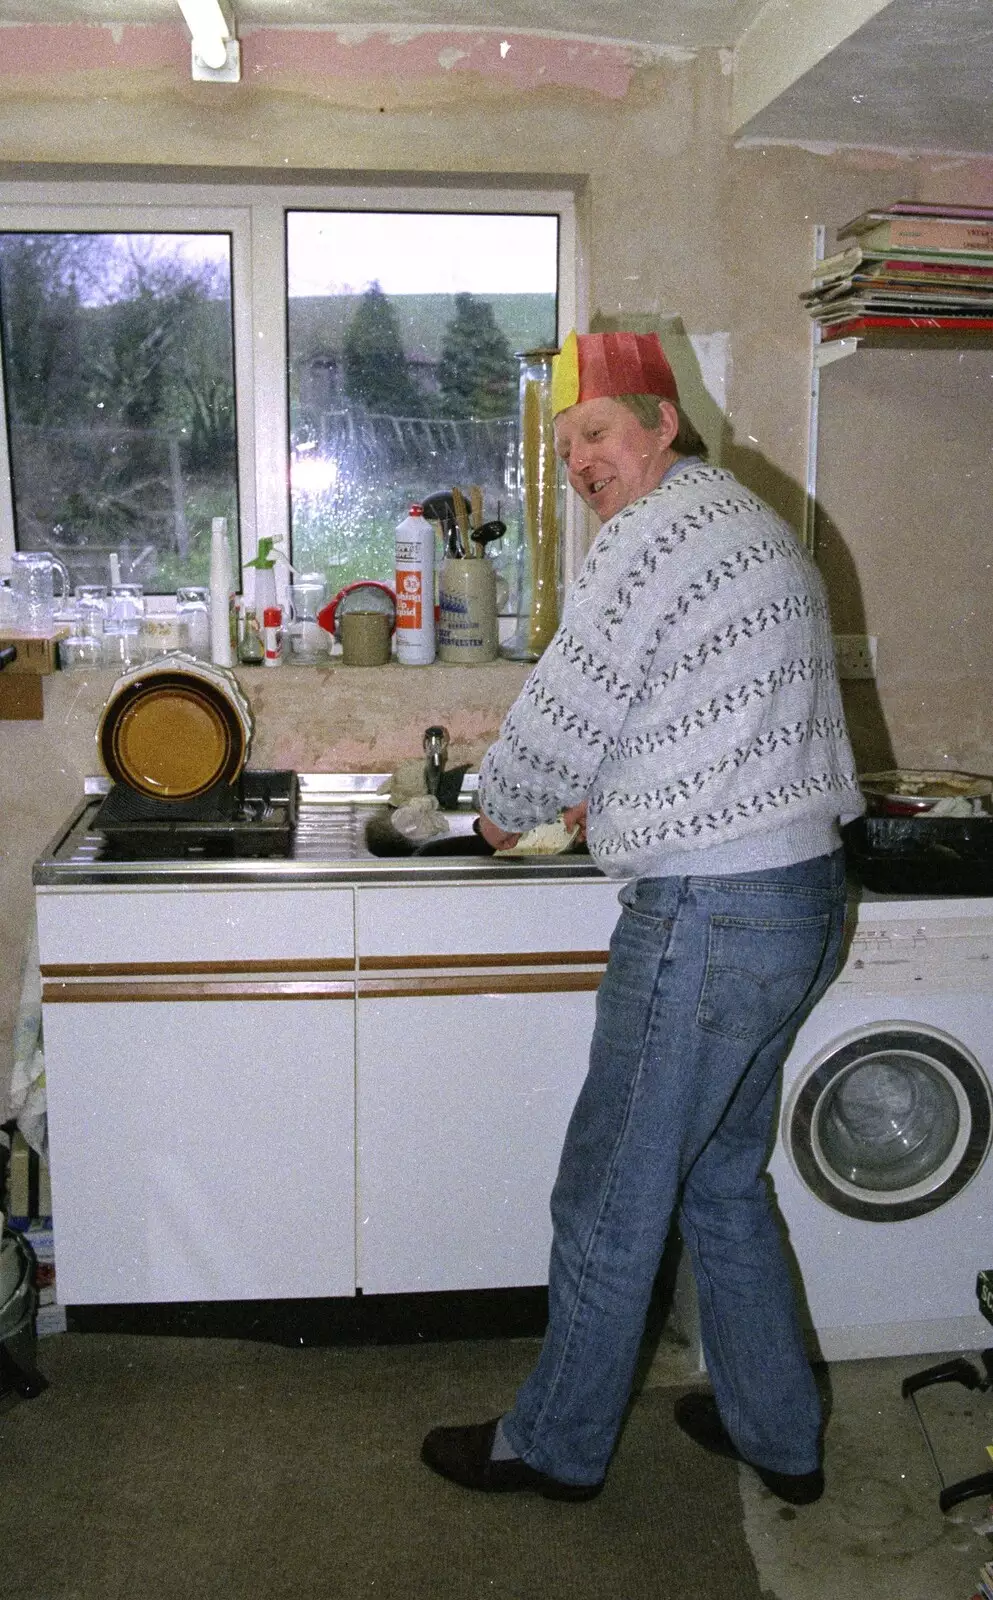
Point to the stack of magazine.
(912, 267)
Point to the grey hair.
(648, 410)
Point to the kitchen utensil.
(307, 640)
(365, 638)
(127, 601)
(193, 620)
(908, 792)
(440, 508)
(121, 643)
(174, 728)
(467, 615)
(92, 600)
(79, 648)
(462, 520)
(476, 505)
(33, 575)
(366, 594)
(254, 817)
(486, 532)
(921, 854)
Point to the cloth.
(706, 983)
(410, 779)
(690, 693)
(420, 819)
(26, 1099)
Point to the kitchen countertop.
(328, 847)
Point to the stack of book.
(912, 267)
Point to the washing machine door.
(889, 1122)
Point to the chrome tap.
(435, 756)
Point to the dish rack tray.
(922, 855)
(255, 816)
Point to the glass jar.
(538, 599)
(91, 600)
(127, 601)
(77, 647)
(122, 645)
(193, 620)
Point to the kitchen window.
(303, 360)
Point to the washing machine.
(882, 1166)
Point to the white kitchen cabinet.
(200, 1079)
(229, 1067)
(474, 1016)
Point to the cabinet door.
(474, 1016)
(463, 1102)
(201, 1150)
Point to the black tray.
(922, 855)
(256, 816)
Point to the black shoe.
(697, 1414)
(463, 1456)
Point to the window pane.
(403, 333)
(119, 373)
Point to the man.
(689, 701)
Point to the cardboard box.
(34, 654)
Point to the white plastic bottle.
(220, 593)
(415, 589)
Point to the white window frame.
(254, 215)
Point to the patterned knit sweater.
(690, 694)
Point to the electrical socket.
(855, 655)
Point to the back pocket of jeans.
(759, 973)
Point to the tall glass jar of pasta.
(542, 506)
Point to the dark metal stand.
(18, 1375)
(957, 1370)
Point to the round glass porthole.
(889, 1123)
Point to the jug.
(307, 640)
(32, 582)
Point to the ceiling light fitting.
(215, 52)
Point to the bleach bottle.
(415, 590)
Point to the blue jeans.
(707, 982)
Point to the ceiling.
(896, 74)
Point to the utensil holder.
(467, 623)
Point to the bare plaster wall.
(680, 231)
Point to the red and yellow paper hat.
(597, 366)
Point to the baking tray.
(922, 855)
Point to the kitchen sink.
(343, 833)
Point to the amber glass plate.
(172, 737)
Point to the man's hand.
(494, 834)
(575, 817)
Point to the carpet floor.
(174, 1469)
